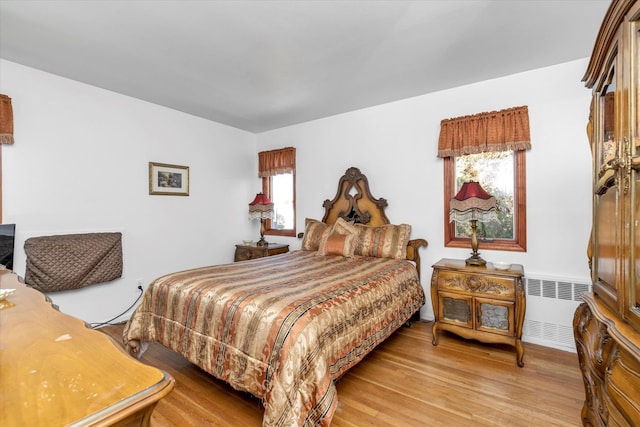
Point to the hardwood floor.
(406, 381)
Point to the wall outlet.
(139, 283)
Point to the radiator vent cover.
(551, 303)
(555, 289)
(560, 335)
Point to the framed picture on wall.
(168, 180)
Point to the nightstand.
(246, 252)
(481, 303)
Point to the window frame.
(519, 243)
(268, 230)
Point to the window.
(280, 189)
(502, 174)
(489, 148)
(278, 171)
(494, 171)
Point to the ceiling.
(261, 65)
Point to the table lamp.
(261, 208)
(472, 204)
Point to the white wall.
(81, 156)
(80, 164)
(395, 145)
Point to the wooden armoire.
(607, 325)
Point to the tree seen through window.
(494, 171)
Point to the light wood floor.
(406, 381)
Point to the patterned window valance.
(6, 120)
(274, 162)
(485, 132)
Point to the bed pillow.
(385, 241)
(342, 240)
(314, 231)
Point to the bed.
(284, 328)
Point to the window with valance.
(277, 168)
(276, 162)
(488, 147)
(485, 132)
(6, 133)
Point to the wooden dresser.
(607, 324)
(479, 302)
(54, 371)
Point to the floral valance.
(6, 120)
(485, 132)
(275, 162)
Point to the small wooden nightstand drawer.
(243, 254)
(247, 252)
(477, 284)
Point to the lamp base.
(476, 260)
(262, 243)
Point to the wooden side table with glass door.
(479, 302)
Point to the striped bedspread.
(282, 327)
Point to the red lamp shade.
(261, 199)
(261, 207)
(472, 203)
(472, 189)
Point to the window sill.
(495, 245)
(274, 232)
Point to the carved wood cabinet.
(479, 302)
(607, 324)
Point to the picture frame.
(168, 180)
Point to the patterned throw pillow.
(342, 240)
(343, 227)
(385, 241)
(314, 231)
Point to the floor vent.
(551, 303)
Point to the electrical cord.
(108, 322)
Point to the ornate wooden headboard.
(354, 202)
